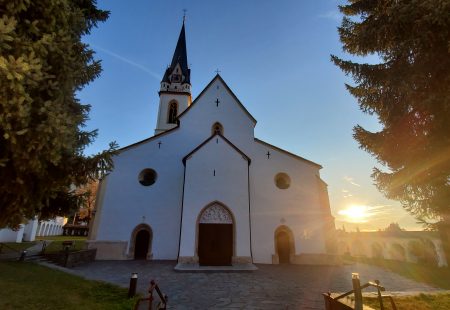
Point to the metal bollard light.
(22, 255)
(357, 291)
(133, 285)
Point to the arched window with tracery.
(173, 112)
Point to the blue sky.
(275, 56)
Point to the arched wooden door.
(215, 236)
(141, 245)
(283, 247)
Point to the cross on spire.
(184, 15)
(217, 71)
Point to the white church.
(203, 190)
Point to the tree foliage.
(393, 228)
(409, 92)
(43, 63)
(88, 196)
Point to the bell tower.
(175, 90)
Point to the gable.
(208, 88)
(316, 165)
(222, 138)
(136, 144)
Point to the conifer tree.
(409, 92)
(43, 63)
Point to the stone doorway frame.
(137, 229)
(199, 220)
(288, 231)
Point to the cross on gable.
(217, 102)
(159, 144)
(268, 154)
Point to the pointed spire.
(179, 57)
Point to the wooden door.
(283, 248)
(141, 244)
(215, 244)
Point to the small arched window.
(217, 128)
(173, 111)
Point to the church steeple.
(180, 62)
(175, 90)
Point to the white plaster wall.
(9, 235)
(237, 125)
(30, 230)
(229, 186)
(442, 261)
(50, 227)
(298, 207)
(126, 203)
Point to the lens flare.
(355, 213)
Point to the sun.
(355, 213)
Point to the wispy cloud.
(334, 15)
(128, 61)
(346, 194)
(351, 181)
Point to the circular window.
(147, 177)
(282, 180)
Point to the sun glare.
(355, 213)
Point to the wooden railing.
(20, 253)
(4, 245)
(336, 303)
(163, 299)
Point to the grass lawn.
(30, 286)
(435, 276)
(17, 246)
(62, 238)
(56, 245)
(419, 302)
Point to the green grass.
(17, 246)
(419, 302)
(436, 276)
(31, 286)
(56, 245)
(62, 238)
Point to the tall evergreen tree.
(409, 92)
(43, 63)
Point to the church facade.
(204, 190)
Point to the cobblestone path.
(270, 287)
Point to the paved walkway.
(270, 287)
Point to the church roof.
(147, 139)
(179, 57)
(228, 89)
(185, 158)
(288, 153)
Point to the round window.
(282, 180)
(147, 177)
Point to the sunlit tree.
(409, 92)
